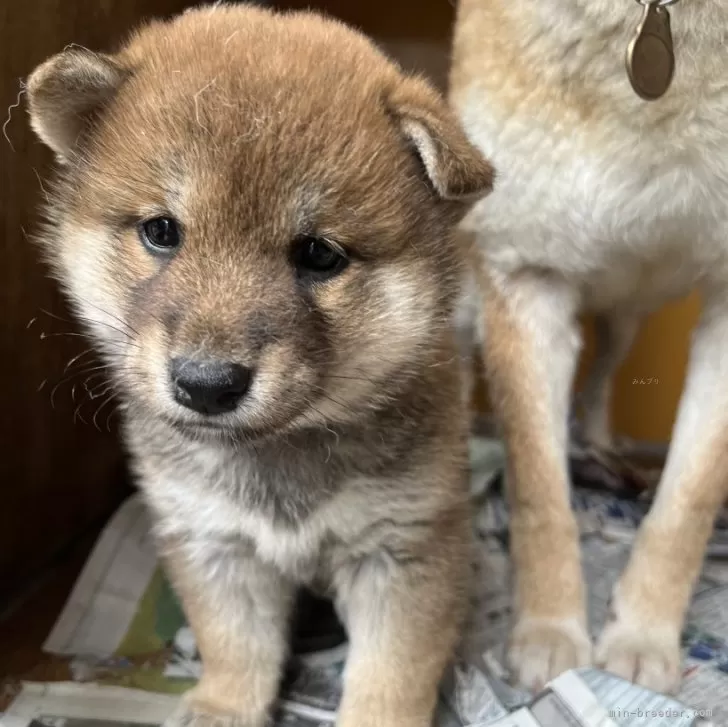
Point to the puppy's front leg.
(238, 609)
(403, 608)
(530, 354)
(642, 643)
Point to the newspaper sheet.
(66, 704)
(584, 698)
(123, 625)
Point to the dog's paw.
(190, 714)
(541, 649)
(643, 653)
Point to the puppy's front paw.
(192, 714)
(541, 649)
(642, 652)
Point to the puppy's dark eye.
(160, 234)
(317, 258)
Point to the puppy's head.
(254, 215)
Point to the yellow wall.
(647, 411)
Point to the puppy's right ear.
(65, 92)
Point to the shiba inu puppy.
(610, 204)
(254, 214)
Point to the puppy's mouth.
(227, 432)
(212, 430)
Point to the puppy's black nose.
(209, 387)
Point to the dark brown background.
(57, 478)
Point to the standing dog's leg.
(238, 609)
(531, 350)
(614, 336)
(649, 603)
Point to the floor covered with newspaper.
(132, 654)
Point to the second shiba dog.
(609, 204)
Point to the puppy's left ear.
(455, 168)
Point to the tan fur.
(344, 465)
(537, 516)
(610, 205)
